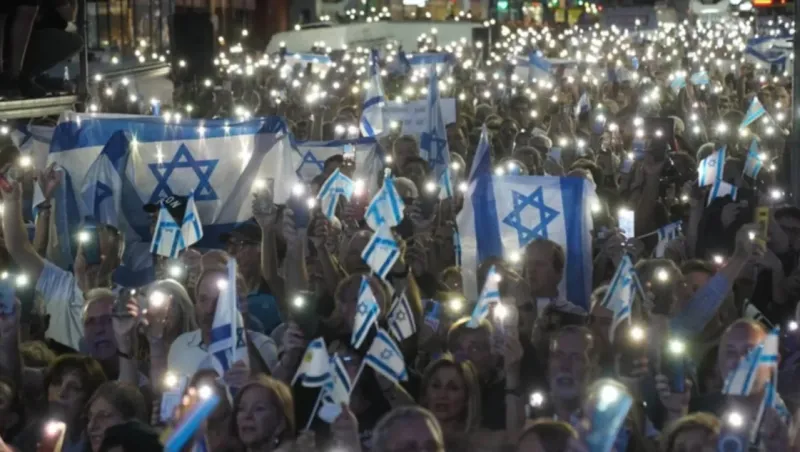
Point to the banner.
(412, 116)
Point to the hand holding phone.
(303, 312)
(90, 244)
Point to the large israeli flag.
(217, 160)
(372, 121)
(433, 142)
(482, 162)
(102, 187)
(308, 160)
(502, 214)
(228, 344)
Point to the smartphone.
(121, 303)
(90, 244)
(7, 296)
(432, 316)
(762, 220)
(661, 132)
(632, 346)
(52, 437)
(673, 364)
(303, 312)
(301, 211)
(733, 436)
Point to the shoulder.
(184, 341)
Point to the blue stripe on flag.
(486, 221)
(572, 195)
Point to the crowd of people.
(89, 365)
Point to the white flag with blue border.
(386, 206)
(171, 237)
(503, 214)
(308, 159)
(666, 234)
(753, 163)
(620, 294)
(372, 120)
(314, 370)
(381, 252)
(711, 168)
(433, 142)
(385, 357)
(367, 311)
(401, 318)
(754, 111)
(228, 343)
(336, 186)
(720, 189)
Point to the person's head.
(788, 218)
(245, 245)
(113, 403)
(696, 432)
(180, 316)
(264, 413)
(546, 436)
(417, 170)
(696, 273)
(451, 279)
(347, 293)
(544, 267)
(350, 252)
(408, 428)
(737, 341)
(209, 285)
(570, 362)
(474, 345)
(111, 245)
(405, 147)
(664, 283)
(131, 436)
(69, 382)
(98, 330)
(451, 391)
(456, 140)
(192, 264)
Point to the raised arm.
(15, 234)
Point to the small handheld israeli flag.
(666, 234)
(314, 370)
(367, 312)
(620, 294)
(335, 186)
(700, 78)
(337, 391)
(386, 207)
(490, 294)
(607, 418)
(753, 163)
(677, 83)
(401, 318)
(711, 167)
(372, 119)
(740, 381)
(381, 252)
(228, 344)
(720, 189)
(584, 104)
(754, 111)
(385, 357)
(171, 237)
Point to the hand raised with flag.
(49, 179)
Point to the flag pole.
(314, 410)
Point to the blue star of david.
(712, 162)
(386, 354)
(435, 146)
(514, 219)
(184, 159)
(363, 308)
(626, 281)
(401, 316)
(311, 159)
(103, 191)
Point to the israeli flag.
(401, 318)
(754, 111)
(33, 141)
(720, 189)
(171, 237)
(161, 159)
(372, 120)
(584, 104)
(678, 82)
(433, 142)
(711, 167)
(482, 161)
(608, 418)
(620, 294)
(385, 357)
(666, 234)
(339, 387)
(540, 67)
(753, 163)
(422, 63)
(740, 381)
(490, 294)
(381, 252)
(308, 160)
(700, 78)
(386, 207)
(367, 312)
(228, 344)
(102, 186)
(315, 369)
(338, 185)
(503, 214)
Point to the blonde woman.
(451, 391)
(263, 416)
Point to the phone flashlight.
(298, 189)
(430, 186)
(718, 259)
(358, 188)
(84, 236)
(222, 284)
(205, 392)
(455, 305)
(157, 299)
(311, 202)
(793, 325)
(637, 333)
(260, 184)
(175, 271)
(21, 280)
(500, 312)
(536, 399)
(662, 275)
(54, 428)
(609, 394)
(170, 380)
(299, 302)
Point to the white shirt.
(187, 354)
(63, 302)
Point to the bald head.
(737, 341)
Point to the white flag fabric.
(372, 120)
(753, 163)
(490, 294)
(433, 142)
(754, 111)
(620, 294)
(401, 318)
(503, 214)
(367, 311)
(308, 161)
(336, 186)
(102, 186)
(228, 343)
(741, 380)
(711, 167)
(381, 252)
(314, 370)
(386, 207)
(482, 162)
(720, 189)
(171, 236)
(385, 357)
(666, 234)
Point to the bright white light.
(463, 187)
(298, 189)
(299, 302)
(455, 305)
(677, 346)
(537, 399)
(718, 259)
(175, 271)
(735, 419)
(25, 161)
(793, 325)
(54, 428)
(514, 257)
(22, 280)
(222, 284)
(500, 312)
(776, 194)
(662, 275)
(205, 392)
(158, 299)
(430, 186)
(170, 380)
(609, 394)
(84, 236)
(311, 203)
(637, 333)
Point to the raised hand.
(49, 179)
